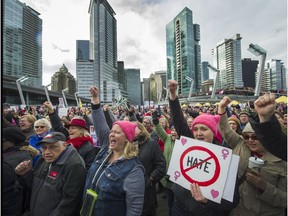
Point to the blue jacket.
(119, 185)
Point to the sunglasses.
(247, 137)
(40, 127)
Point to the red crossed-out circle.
(212, 156)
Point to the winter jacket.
(168, 149)
(183, 196)
(271, 135)
(274, 171)
(57, 187)
(87, 151)
(119, 185)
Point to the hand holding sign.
(196, 193)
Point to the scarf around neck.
(79, 141)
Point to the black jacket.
(182, 195)
(270, 135)
(57, 187)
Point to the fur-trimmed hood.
(32, 151)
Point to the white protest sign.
(229, 189)
(62, 112)
(195, 161)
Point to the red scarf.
(79, 141)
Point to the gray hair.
(45, 122)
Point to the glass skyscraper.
(22, 42)
(277, 74)
(103, 48)
(227, 58)
(84, 69)
(183, 52)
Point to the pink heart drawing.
(183, 141)
(214, 193)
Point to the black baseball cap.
(52, 137)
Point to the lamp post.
(64, 97)
(18, 81)
(46, 92)
(191, 87)
(257, 51)
(216, 80)
(75, 94)
(167, 93)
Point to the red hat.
(128, 128)
(77, 122)
(210, 121)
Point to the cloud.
(141, 28)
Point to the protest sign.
(195, 161)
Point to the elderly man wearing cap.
(57, 180)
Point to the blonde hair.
(143, 130)
(31, 119)
(166, 123)
(130, 150)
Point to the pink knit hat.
(128, 128)
(210, 121)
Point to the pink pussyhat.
(128, 128)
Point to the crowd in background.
(53, 166)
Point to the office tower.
(227, 58)
(84, 69)
(249, 69)
(163, 75)
(133, 85)
(103, 48)
(22, 42)
(205, 71)
(183, 52)
(277, 71)
(62, 79)
(155, 87)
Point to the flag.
(80, 103)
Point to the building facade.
(84, 69)
(227, 58)
(183, 52)
(277, 75)
(62, 80)
(249, 69)
(133, 85)
(22, 42)
(205, 71)
(103, 48)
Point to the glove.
(155, 119)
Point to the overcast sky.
(141, 29)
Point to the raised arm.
(267, 128)
(178, 119)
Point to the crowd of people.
(52, 166)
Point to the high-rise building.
(227, 58)
(183, 52)
(62, 79)
(205, 71)
(84, 69)
(103, 48)
(22, 42)
(249, 69)
(133, 85)
(163, 75)
(277, 71)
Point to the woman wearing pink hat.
(76, 133)
(115, 183)
(204, 128)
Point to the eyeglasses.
(40, 127)
(247, 137)
(146, 122)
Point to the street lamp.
(191, 87)
(46, 92)
(257, 51)
(75, 94)
(64, 97)
(18, 81)
(216, 80)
